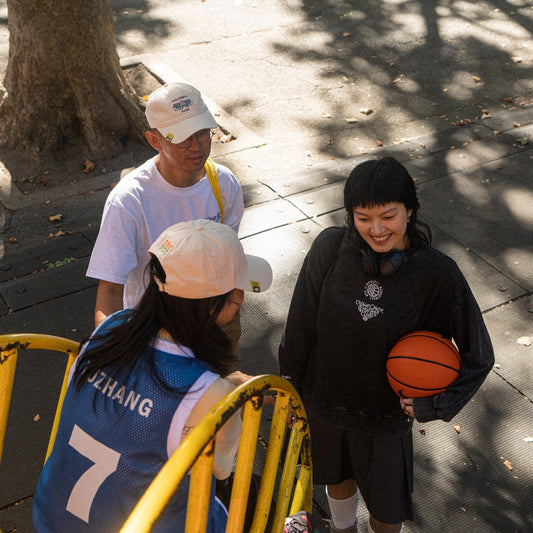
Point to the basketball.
(422, 363)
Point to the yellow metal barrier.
(195, 454)
(9, 348)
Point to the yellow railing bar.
(8, 363)
(287, 475)
(200, 491)
(9, 346)
(270, 468)
(244, 465)
(153, 502)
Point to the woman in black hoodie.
(360, 289)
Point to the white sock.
(343, 512)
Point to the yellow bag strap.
(212, 174)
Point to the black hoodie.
(342, 324)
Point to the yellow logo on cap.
(256, 286)
(169, 137)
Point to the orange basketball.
(422, 363)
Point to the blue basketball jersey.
(114, 436)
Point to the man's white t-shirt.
(140, 208)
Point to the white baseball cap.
(202, 258)
(178, 111)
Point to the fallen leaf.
(523, 141)
(60, 233)
(462, 122)
(346, 34)
(366, 110)
(508, 100)
(477, 79)
(508, 464)
(36, 418)
(226, 138)
(379, 143)
(47, 202)
(351, 120)
(497, 132)
(485, 114)
(516, 125)
(56, 218)
(516, 59)
(89, 165)
(457, 428)
(13, 240)
(524, 341)
(326, 115)
(497, 365)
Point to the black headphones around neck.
(386, 264)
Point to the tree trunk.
(63, 80)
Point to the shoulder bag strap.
(212, 174)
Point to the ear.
(154, 139)
(409, 213)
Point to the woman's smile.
(383, 227)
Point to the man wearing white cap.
(169, 188)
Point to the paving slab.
(29, 261)
(488, 209)
(490, 286)
(513, 360)
(264, 217)
(263, 315)
(320, 201)
(257, 193)
(37, 383)
(47, 285)
(462, 482)
(17, 518)
(71, 316)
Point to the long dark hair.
(189, 322)
(379, 182)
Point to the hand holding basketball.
(407, 406)
(421, 364)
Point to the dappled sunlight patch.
(519, 201)
(463, 85)
(474, 192)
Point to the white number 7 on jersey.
(105, 462)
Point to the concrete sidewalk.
(289, 82)
(480, 212)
